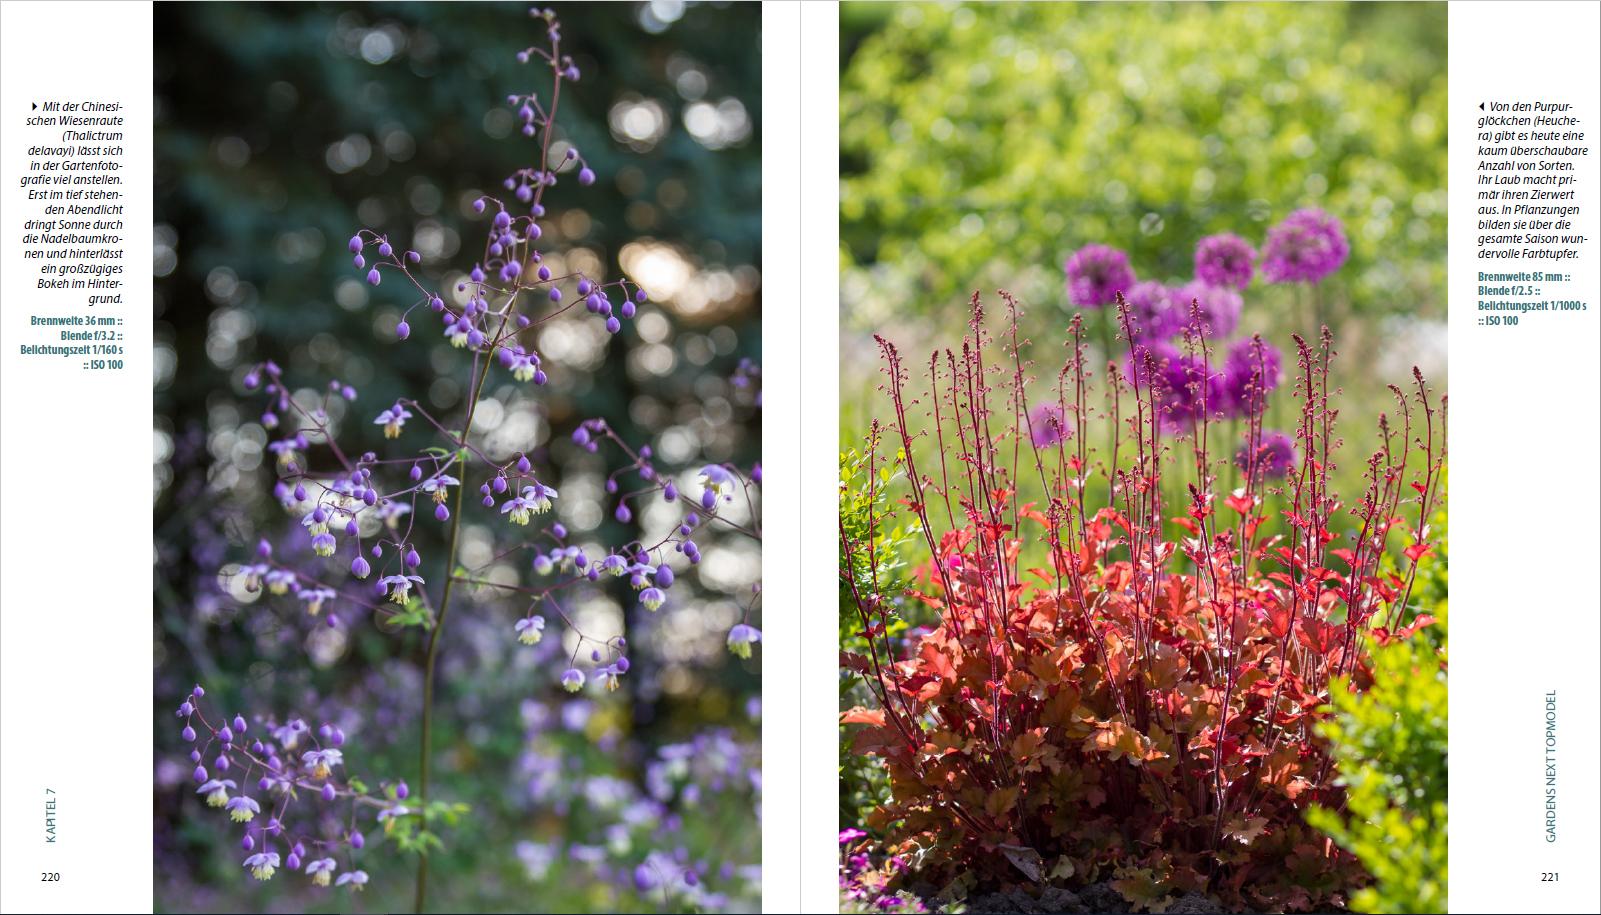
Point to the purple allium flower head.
(1306, 247)
(1253, 369)
(1193, 390)
(1048, 425)
(1225, 260)
(1153, 311)
(1096, 274)
(1219, 308)
(1274, 457)
(1155, 355)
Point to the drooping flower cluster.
(375, 516)
(287, 787)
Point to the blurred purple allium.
(1096, 274)
(1253, 368)
(1219, 307)
(1225, 260)
(1152, 311)
(1274, 456)
(1048, 425)
(1306, 247)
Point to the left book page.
(444, 321)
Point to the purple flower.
(535, 499)
(1191, 391)
(321, 871)
(320, 763)
(1274, 456)
(741, 638)
(530, 629)
(262, 864)
(1225, 260)
(242, 809)
(216, 791)
(716, 479)
(1096, 274)
(1306, 247)
(1148, 358)
(393, 419)
(1253, 369)
(355, 879)
(1048, 425)
(1153, 311)
(651, 598)
(572, 680)
(1219, 308)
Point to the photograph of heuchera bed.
(458, 481)
(1142, 487)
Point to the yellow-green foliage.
(981, 143)
(1390, 744)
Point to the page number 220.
(50, 877)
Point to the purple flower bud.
(639, 295)
(441, 512)
(373, 277)
(544, 273)
(613, 325)
(328, 792)
(355, 243)
(358, 261)
(586, 177)
(188, 733)
(222, 763)
(225, 735)
(478, 205)
(247, 843)
(622, 514)
(201, 774)
(664, 576)
(239, 724)
(436, 303)
(292, 862)
(252, 381)
(298, 849)
(402, 330)
(412, 559)
(499, 483)
(356, 840)
(627, 310)
(185, 710)
(416, 472)
(708, 499)
(359, 567)
(414, 257)
(401, 791)
(300, 492)
(622, 665)
(264, 783)
(384, 250)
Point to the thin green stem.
(424, 746)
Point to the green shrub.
(1391, 746)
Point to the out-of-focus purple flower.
(1152, 310)
(1306, 247)
(1096, 274)
(1219, 308)
(1225, 260)
(1273, 458)
(1253, 369)
(1048, 425)
(1150, 357)
(1191, 390)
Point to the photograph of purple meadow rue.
(458, 481)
